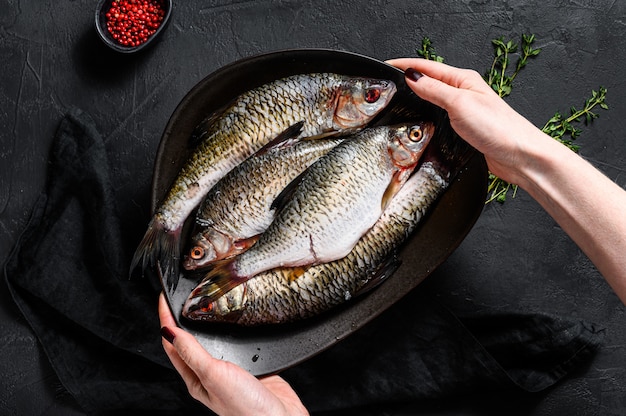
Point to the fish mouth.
(188, 263)
(345, 124)
(198, 308)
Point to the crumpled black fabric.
(69, 277)
(68, 274)
(420, 350)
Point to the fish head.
(200, 254)
(227, 308)
(206, 247)
(359, 100)
(408, 143)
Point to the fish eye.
(197, 253)
(372, 95)
(415, 134)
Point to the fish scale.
(300, 230)
(283, 295)
(239, 206)
(337, 200)
(231, 136)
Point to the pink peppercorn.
(132, 22)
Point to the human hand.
(476, 113)
(220, 385)
(566, 185)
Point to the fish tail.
(219, 280)
(159, 247)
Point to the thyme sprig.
(561, 129)
(497, 76)
(502, 83)
(498, 189)
(428, 52)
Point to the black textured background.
(52, 60)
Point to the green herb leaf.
(497, 76)
(428, 52)
(560, 128)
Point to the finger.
(214, 382)
(425, 79)
(188, 375)
(450, 75)
(165, 314)
(170, 336)
(169, 333)
(193, 354)
(441, 84)
(404, 63)
(177, 351)
(464, 79)
(196, 366)
(435, 91)
(437, 70)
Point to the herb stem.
(505, 61)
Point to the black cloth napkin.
(69, 277)
(100, 330)
(420, 350)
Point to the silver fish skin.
(289, 294)
(323, 103)
(239, 207)
(338, 199)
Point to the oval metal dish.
(266, 350)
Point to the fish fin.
(382, 272)
(285, 195)
(325, 135)
(219, 280)
(398, 179)
(297, 272)
(203, 129)
(287, 138)
(159, 247)
(245, 243)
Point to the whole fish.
(316, 104)
(239, 207)
(336, 201)
(289, 294)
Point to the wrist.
(545, 165)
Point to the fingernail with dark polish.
(167, 334)
(412, 74)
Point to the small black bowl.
(101, 27)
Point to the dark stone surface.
(52, 59)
